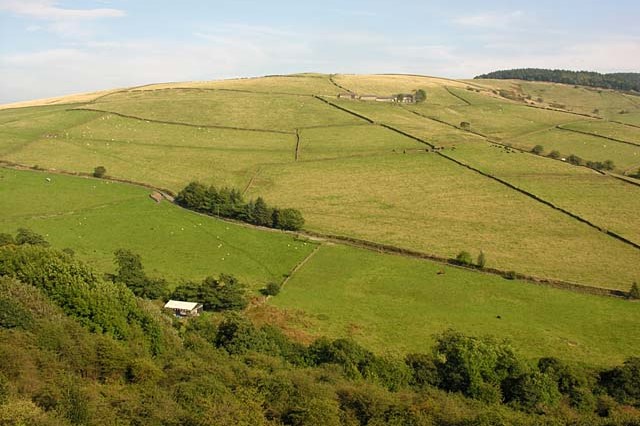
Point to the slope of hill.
(369, 169)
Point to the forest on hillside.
(618, 81)
(81, 349)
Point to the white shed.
(184, 309)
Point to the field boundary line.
(351, 241)
(348, 111)
(299, 266)
(177, 123)
(297, 145)
(457, 96)
(246, 188)
(624, 124)
(338, 85)
(220, 89)
(582, 132)
(522, 191)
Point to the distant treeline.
(228, 202)
(618, 81)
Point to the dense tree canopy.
(618, 81)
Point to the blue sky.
(50, 48)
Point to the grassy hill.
(367, 170)
(389, 303)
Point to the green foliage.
(465, 125)
(215, 294)
(623, 383)
(27, 236)
(538, 150)
(420, 95)
(620, 81)
(555, 154)
(474, 366)
(532, 391)
(482, 260)
(228, 202)
(130, 272)
(6, 239)
(464, 258)
(634, 292)
(13, 315)
(272, 289)
(423, 369)
(99, 172)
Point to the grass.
(394, 304)
(424, 202)
(593, 196)
(301, 84)
(96, 217)
(625, 157)
(222, 108)
(608, 129)
(336, 142)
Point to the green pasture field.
(160, 154)
(499, 120)
(579, 190)
(96, 217)
(394, 305)
(225, 108)
(625, 157)
(579, 99)
(401, 118)
(336, 142)
(388, 85)
(608, 129)
(300, 84)
(421, 201)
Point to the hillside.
(464, 260)
(409, 175)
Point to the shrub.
(554, 154)
(634, 292)
(99, 171)
(510, 275)
(6, 239)
(482, 260)
(464, 258)
(538, 149)
(465, 125)
(27, 236)
(272, 289)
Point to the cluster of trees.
(78, 350)
(574, 159)
(228, 202)
(618, 81)
(464, 258)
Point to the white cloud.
(48, 10)
(493, 20)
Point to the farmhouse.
(406, 98)
(385, 99)
(184, 309)
(348, 96)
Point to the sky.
(56, 47)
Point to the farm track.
(177, 123)
(355, 242)
(505, 183)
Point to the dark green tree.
(538, 149)
(262, 213)
(464, 258)
(555, 154)
(420, 96)
(99, 171)
(482, 260)
(27, 236)
(634, 292)
(288, 219)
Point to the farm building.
(184, 309)
(368, 97)
(348, 96)
(385, 99)
(406, 99)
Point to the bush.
(538, 149)
(465, 125)
(464, 258)
(554, 154)
(482, 260)
(272, 289)
(27, 236)
(6, 239)
(99, 172)
(510, 275)
(634, 292)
